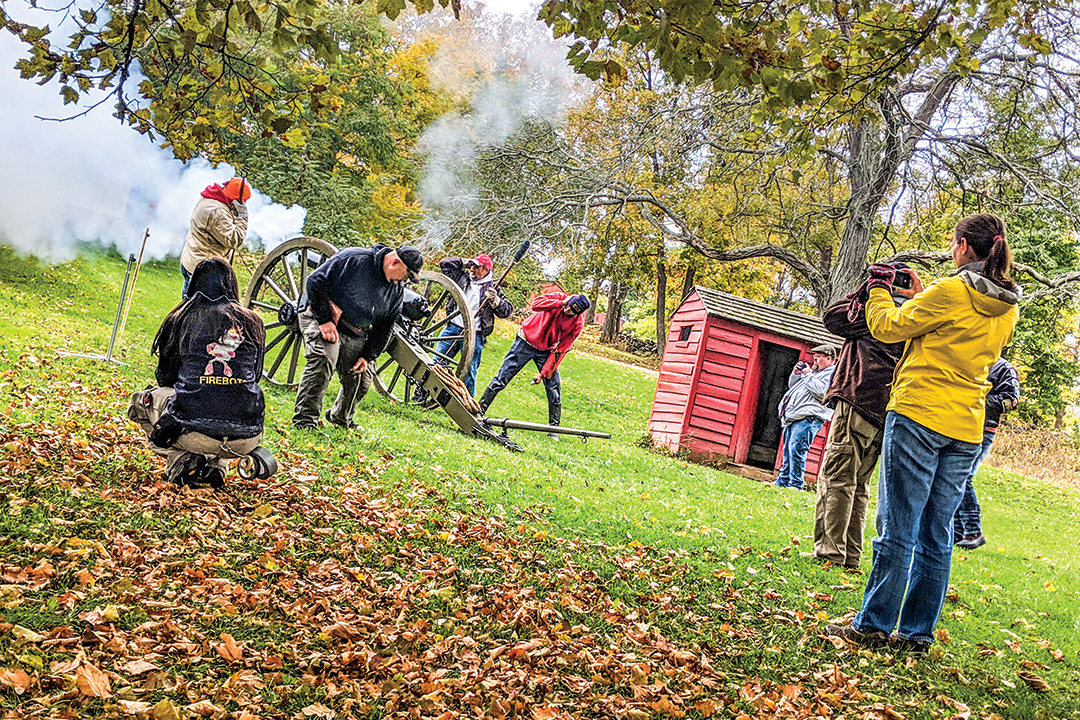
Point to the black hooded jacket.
(353, 280)
(215, 372)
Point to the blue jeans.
(518, 356)
(450, 348)
(968, 520)
(921, 483)
(187, 279)
(798, 436)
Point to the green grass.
(709, 559)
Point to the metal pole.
(134, 279)
(120, 308)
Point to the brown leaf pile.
(311, 598)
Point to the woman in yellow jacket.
(955, 330)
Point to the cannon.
(408, 363)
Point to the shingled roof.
(779, 321)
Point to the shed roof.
(779, 321)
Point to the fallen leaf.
(134, 707)
(317, 710)
(137, 667)
(92, 682)
(26, 634)
(1033, 681)
(165, 710)
(204, 708)
(229, 651)
(17, 679)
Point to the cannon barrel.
(510, 424)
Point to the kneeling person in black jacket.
(353, 300)
(209, 406)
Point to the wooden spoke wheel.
(454, 348)
(274, 293)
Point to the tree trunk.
(688, 282)
(661, 302)
(616, 295)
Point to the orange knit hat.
(234, 187)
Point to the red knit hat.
(235, 187)
(484, 260)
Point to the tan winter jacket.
(214, 231)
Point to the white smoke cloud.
(513, 72)
(91, 180)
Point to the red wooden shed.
(724, 370)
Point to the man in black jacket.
(353, 300)
(485, 301)
(859, 391)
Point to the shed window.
(684, 332)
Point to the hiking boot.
(187, 470)
(970, 542)
(867, 639)
(914, 648)
(853, 570)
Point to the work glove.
(239, 208)
(881, 276)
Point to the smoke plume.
(512, 71)
(92, 181)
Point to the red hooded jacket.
(549, 328)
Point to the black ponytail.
(985, 235)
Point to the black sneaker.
(914, 648)
(867, 639)
(214, 477)
(188, 470)
(970, 542)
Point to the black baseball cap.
(412, 258)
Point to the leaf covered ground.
(399, 575)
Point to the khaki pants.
(843, 486)
(193, 443)
(322, 358)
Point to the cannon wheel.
(390, 379)
(274, 293)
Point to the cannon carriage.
(408, 362)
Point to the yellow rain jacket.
(955, 330)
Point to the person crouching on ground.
(544, 338)
(353, 300)
(955, 330)
(209, 406)
(802, 413)
(485, 302)
(858, 394)
(218, 225)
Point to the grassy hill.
(407, 570)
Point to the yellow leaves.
(943, 636)
(165, 710)
(97, 616)
(263, 510)
(26, 634)
(1049, 586)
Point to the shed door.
(776, 362)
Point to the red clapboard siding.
(723, 370)
(719, 332)
(710, 434)
(676, 379)
(712, 382)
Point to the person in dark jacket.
(859, 392)
(1003, 396)
(353, 300)
(209, 406)
(544, 339)
(486, 302)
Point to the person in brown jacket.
(218, 226)
(859, 391)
